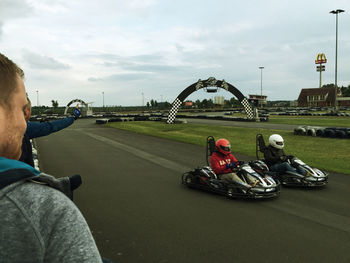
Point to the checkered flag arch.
(173, 111)
(248, 109)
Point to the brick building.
(321, 97)
(258, 99)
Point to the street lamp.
(103, 98)
(336, 12)
(143, 99)
(37, 98)
(261, 68)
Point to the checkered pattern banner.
(248, 109)
(172, 113)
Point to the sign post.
(320, 59)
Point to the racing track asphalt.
(139, 212)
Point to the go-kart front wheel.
(188, 180)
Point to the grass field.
(324, 153)
(312, 120)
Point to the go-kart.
(204, 178)
(315, 178)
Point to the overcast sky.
(80, 48)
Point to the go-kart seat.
(260, 146)
(210, 148)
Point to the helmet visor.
(226, 148)
(279, 143)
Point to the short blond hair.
(9, 73)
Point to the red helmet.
(223, 146)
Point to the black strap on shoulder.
(14, 175)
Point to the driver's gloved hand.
(283, 158)
(290, 157)
(230, 165)
(76, 113)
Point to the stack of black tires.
(331, 132)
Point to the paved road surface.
(139, 212)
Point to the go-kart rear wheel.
(230, 192)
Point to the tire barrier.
(155, 117)
(307, 113)
(300, 131)
(214, 117)
(137, 118)
(101, 121)
(330, 132)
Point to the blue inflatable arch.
(210, 82)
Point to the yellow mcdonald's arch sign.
(321, 58)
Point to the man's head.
(276, 141)
(223, 146)
(13, 102)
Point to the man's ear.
(27, 112)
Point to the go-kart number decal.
(299, 162)
(249, 169)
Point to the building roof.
(317, 91)
(255, 96)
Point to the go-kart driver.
(223, 162)
(276, 158)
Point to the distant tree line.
(344, 90)
(153, 104)
(208, 103)
(54, 104)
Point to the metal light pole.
(37, 98)
(103, 98)
(336, 12)
(261, 68)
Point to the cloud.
(120, 77)
(51, 6)
(1, 24)
(152, 68)
(38, 61)
(13, 9)
(140, 3)
(148, 63)
(117, 59)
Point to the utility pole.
(261, 68)
(336, 12)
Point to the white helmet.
(276, 141)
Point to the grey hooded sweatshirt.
(39, 223)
